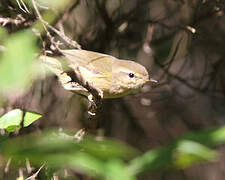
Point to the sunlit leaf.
(11, 121)
(209, 137)
(30, 117)
(188, 153)
(20, 178)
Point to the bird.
(111, 76)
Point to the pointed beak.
(152, 80)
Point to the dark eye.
(131, 75)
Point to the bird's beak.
(152, 80)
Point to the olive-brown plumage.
(114, 77)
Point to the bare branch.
(24, 8)
(60, 34)
(19, 20)
(35, 174)
(6, 169)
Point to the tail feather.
(53, 64)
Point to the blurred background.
(180, 42)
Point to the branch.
(19, 20)
(60, 34)
(35, 174)
(24, 8)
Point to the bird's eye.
(131, 75)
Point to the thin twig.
(60, 34)
(38, 14)
(4, 21)
(21, 175)
(24, 5)
(24, 8)
(55, 176)
(35, 174)
(64, 37)
(68, 11)
(20, 6)
(6, 169)
(42, 7)
(28, 166)
(79, 135)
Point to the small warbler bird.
(113, 77)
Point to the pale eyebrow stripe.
(127, 71)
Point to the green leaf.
(16, 63)
(209, 137)
(116, 169)
(181, 153)
(30, 117)
(58, 152)
(106, 149)
(11, 121)
(158, 158)
(83, 162)
(188, 153)
(13, 128)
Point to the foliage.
(16, 63)
(107, 158)
(93, 156)
(12, 120)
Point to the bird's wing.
(95, 68)
(96, 63)
(53, 64)
(56, 67)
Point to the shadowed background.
(180, 42)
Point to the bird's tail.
(53, 64)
